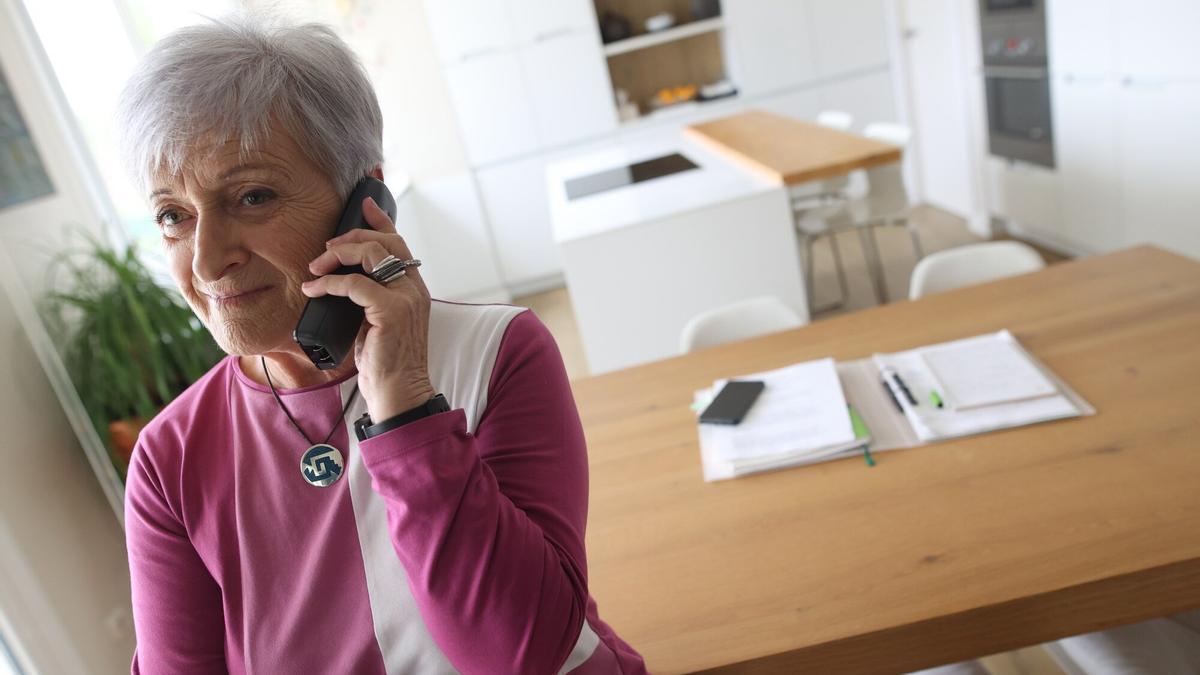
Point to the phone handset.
(330, 323)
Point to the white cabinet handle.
(551, 34)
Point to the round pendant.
(322, 465)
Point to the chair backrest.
(835, 119)
(972, 264)
(889, 132)
(737, 321)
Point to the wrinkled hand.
(392, 348)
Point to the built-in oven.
(1017, 80)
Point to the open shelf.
(680, 32)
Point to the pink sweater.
(452, 544)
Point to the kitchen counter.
(641, 260)
(716, 181)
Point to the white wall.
(63, 574)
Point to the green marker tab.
(936, 400)
(861, 431)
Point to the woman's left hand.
(392, 349)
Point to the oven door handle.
(1016, 72)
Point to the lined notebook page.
(988, 370)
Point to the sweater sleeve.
(177, 613)
(490, 526)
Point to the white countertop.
(716, 180)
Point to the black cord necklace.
(322, 464)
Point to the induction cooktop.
(624, 176)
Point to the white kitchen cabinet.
(771, 44)
(848, 35)
(1081, 36)
(443, 221)
(801, 104)
(494, 109)
(1027, 196)
(869, 97)
(1159, 145)
(537, 20)
(568, 85)
(518, 210)
(1157, 39)
(1089, 174)
(462, 29)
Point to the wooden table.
(939, 553)
(790, 150)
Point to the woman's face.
(239, 232)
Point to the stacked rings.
(391, 268)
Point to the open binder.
(892, 401)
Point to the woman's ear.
(377, 172)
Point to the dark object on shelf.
(614, 27)
(705, 9)
(716, 92)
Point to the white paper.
(985, 371)
(931, 423)
(801, 408)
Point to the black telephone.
(330, 323)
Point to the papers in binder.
(990, 382)
(801, 416)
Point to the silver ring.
(392, 268)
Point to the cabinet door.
(772, 47)
(518, 210)
(1160, 156)
(536, 20)
(492, 106)
(462, 29)
(1157, 39)
(1089, 176)
(868, 97)
(1080, 36)
(569, 88)
(848, 35)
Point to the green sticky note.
(856, 421)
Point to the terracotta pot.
(124, 435)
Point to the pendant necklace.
(322, 464)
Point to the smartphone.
(329, 324)
(732, 403)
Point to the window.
(92, 47)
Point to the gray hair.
(230, 77)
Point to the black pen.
(904, 388)
(892, 395)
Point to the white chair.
(835, 119)
(737, 321)
(972, 264)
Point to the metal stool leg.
(841, 269)
(874, 265)
(916, 239)
(810, 275)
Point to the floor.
(938, 230)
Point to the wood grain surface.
(939, 553)
(790, 150)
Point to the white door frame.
(966, 22)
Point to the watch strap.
(365, 428)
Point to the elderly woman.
(455, 540)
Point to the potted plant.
(129, 343)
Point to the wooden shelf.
(664, 36)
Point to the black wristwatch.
(365, 428)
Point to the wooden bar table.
(940, 553)
(789, 150)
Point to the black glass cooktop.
(628, 175)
